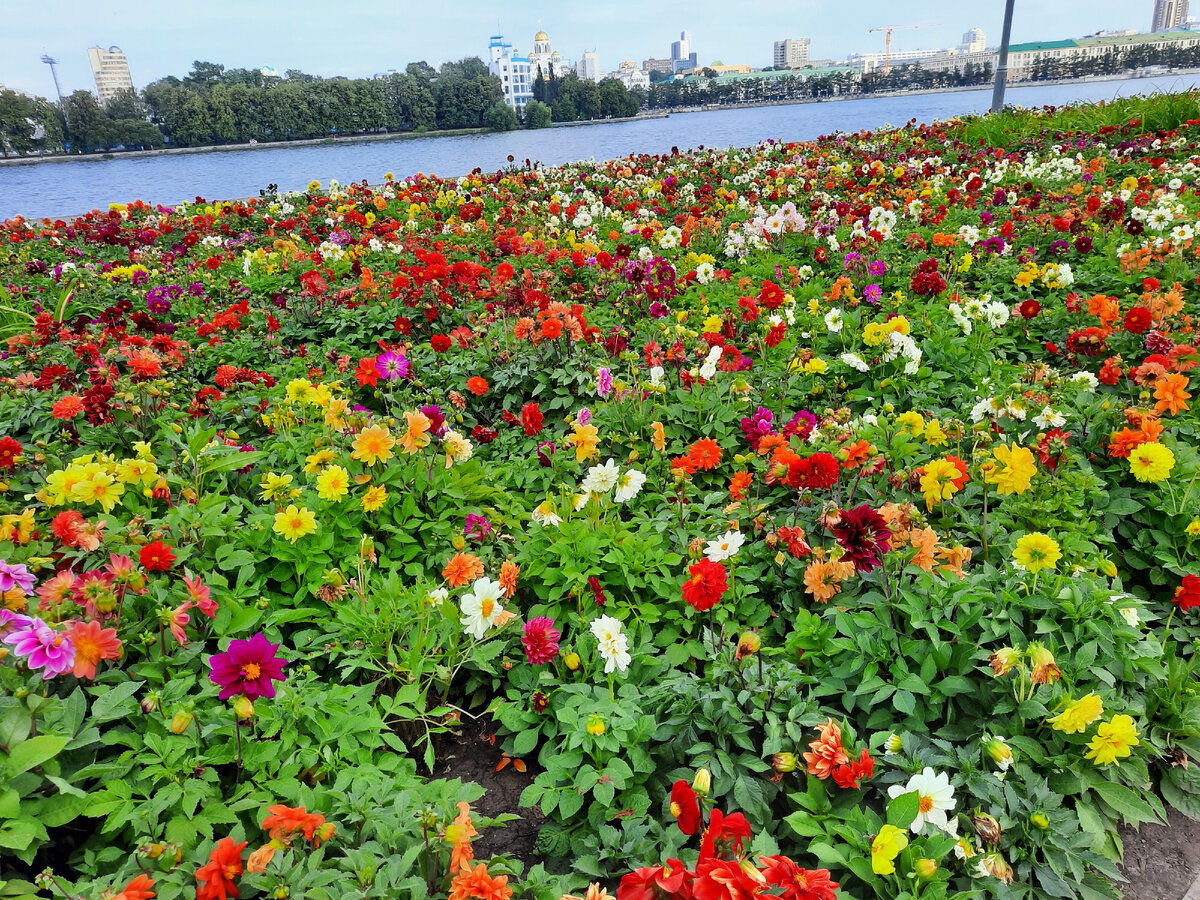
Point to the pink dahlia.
(42, 648)
(247, 667)
(540, 640)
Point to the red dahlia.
(707, 584)
(10, 449)
(1187, 595)
(1137, 320)
(157, 557)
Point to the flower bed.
(791, 517)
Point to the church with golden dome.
(542, 56)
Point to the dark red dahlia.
(864, 535)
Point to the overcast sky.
(361, 37)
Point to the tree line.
(1113, 60)
(702, 92)
(213, 105)
(569, 98)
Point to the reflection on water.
(56, 189)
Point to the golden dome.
(541, 36)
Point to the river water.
(69, 188)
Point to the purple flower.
(758, 426)
(877, 268)
(477, 527)
(392, 365)
(585, 416)
(247, 667)
(42, 648)
(544, 450)
(873, 293)
(437, 420)
(604, 381)
(15, 575)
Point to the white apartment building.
(514, 71)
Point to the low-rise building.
(1025, 59)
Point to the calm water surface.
(59, 189)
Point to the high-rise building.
(110, 68)
(682, 55)
(589, 66)
(792, 53)
(973, 41)
(1169, 14)
(514, 71)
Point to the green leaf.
(15, 725)
(1126, 802)
(525, 741)
(903, 810)
(34, 752)
(116, 703)
(17, 834)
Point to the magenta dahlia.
(540, 640)
(247, 668)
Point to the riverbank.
(801, 101)
(306, 142)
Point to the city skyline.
(352, 43)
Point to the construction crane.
(887, 43)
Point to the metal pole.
(1002, 62)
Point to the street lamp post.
(1002, 62)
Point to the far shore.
(647, 114)
(306, 142)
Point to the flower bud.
(748, 645)
(571, 660)
(702, 783)
(894, 744)
(1040, 821)
(243, 708)
(181, 721)
(595, 724)
(987, 828)
(150, 702)
(926, 869)
(1000, 752)
(784, 762)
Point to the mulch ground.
(1161, 861)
